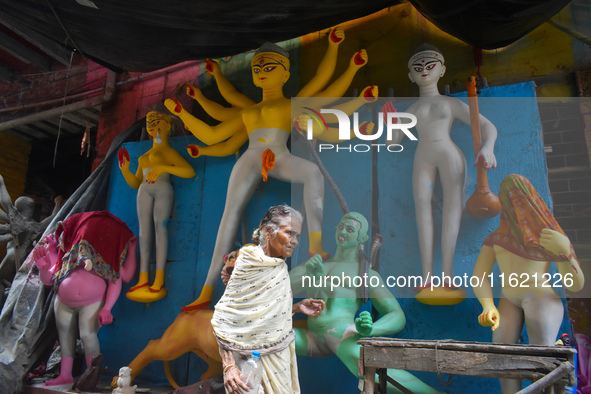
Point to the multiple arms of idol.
(230, 135)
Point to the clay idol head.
(426, 65)
(270, 66)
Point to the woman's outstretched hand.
(310, 307)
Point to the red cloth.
(108, 235)
(523, 216)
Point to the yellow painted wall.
(390, 36)
(14, 160)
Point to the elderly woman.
(255, 312)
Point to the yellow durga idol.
(155, 197)
(267, 126)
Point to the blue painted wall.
(362, 178)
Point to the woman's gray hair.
(273, 219)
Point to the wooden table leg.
(383, 386)
(370, 379)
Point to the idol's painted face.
(283, 243)
(426, 71)
(347, 233)
(157, 123)
(268, 72)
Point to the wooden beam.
(93, 116)
(34, 133)
(21, 134)
(44, 125)
(51, 48)
(552, 364)
(23, 53)
(67, 127)
(548, 351)
(35, 129)
(75, 117)
(494, 365)
(40, 116)
(548, 380)
(53, 123)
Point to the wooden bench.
(545, 366)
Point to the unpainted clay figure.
(155, 198)
(83, 261)
(527, 241)
(124, 382)
(437, 154)
(19, 231)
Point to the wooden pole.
(482, 204)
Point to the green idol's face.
(347, 234)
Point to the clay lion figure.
(189, 332)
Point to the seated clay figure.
(83, 260)
(124, 382)
(336, 330)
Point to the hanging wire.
(59, 127)
(73, 42)
(68, 74)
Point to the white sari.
(255, 314)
